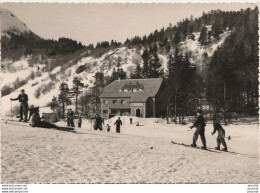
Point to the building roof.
(148, 88)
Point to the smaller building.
(131, 97)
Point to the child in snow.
(79, 122)
(118, 123)
(108, 128)
(221, 135)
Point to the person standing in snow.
(118, 123)
(68, 117)
(200, 130)
(23, 99)
(131, 121)
(98, 123)
(79, 122)
(221, 135)
(72, 117)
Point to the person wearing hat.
(200, 130)
(23, 99)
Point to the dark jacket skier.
(23, 99)
(200, 130)
(118, 123)
(36, 120)
(98, 122)
(221, 135)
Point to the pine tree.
(76, 91)
(64, 97)
(137, 74)
(155, 65)
(145, 57)
(203, 36)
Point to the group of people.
(200, 125)
(70, 118)
(99, 122)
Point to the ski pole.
(11, 110)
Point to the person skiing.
(79, 122)
(23, 99)
(200, 130)
(221, 135)
(98, 122)
(118, 123)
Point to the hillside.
(41, 74)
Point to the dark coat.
(200, 122)
(22, 98)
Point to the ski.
(15, 122)
(186, 145)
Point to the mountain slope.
(11, 24)
(42, 77)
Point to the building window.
(114, 101)
(105, 111)
(105, 102)
(123, 102)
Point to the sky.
(92, 23)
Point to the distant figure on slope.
(108, 128)
(200, 125)
(131, 121)
(72, 117)
(221, 135)
(118, 123)
(98, 122)
(79, 122)
(36, 120)
(68, 117)
(23, 99)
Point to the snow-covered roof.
(150, 89)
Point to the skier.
(36, 120)
(23, 99)
(79, 122)
(98, 122)
(118, 123)
(68, 117)
(72, 117)
(131, 121)
(221, 135)
(200, 125)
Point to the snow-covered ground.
(139, 154)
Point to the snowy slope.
(9, 22)
(139, 154)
